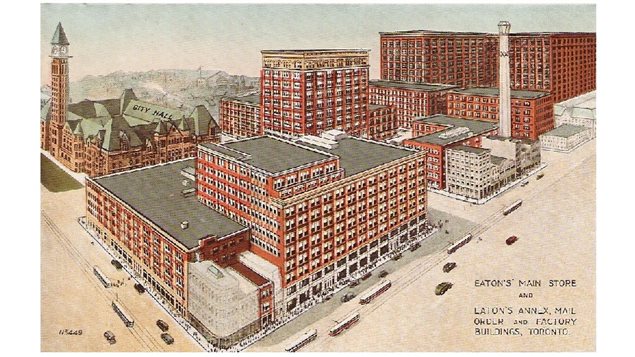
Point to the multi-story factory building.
(410, 100)
(321, 208)
(531, 111)
(194, 258)
(382, 123)
(240, 116)
(437, 133)
(306, 92)
(562, 63)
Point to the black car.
(163, 325)
(353, 283)
(382, 274)
(347, 297)
(167, 338)
(415, 246)
(511, 240)
(396, 256)
(140, 289)
(442, 288)
(367, 275)
(541, 175)
(110, 337)
(116, 264)
(448, 267)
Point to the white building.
(565, 137)
(578, 111)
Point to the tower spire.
(59, 37)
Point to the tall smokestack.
(504, 115)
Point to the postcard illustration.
(317, 177)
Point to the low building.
(240, 116)
(524, 153)
(565, 138)
(382, 123)
(436, 133)
(474, 173)
(578, 111)
(410, 100)
(531, 111)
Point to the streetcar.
(513, 207)
(374, 292)
(349, 321)
(302, 341)
(103, 279)
(465, 240)
(127, 320)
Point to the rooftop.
(427, 87)
(469, 149)
(467, 33)
(253, 99)
(444, 137)
(155, 193)
(316, 50)
(494, 92)
(566, 130)
(372, 107)
(269, 154)
(358, 155)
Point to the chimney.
(504, 115)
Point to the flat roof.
(357, 155)
(468, 149)
(155, 193)
(249, 99)
(427, 87)
(431, 32)
(269, 154)
(249, 274)
(566, 130)
(372, 107)
(495, 92)
(474, 127)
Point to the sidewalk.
(78, 176)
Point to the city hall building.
(99, 137)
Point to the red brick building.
(562, 63)
(319, 213)
(305, 92)
(436, 133)
(240, 117)
(410, 100)
(151, 219)
(382, 123)
(531, 111)
(113, 135)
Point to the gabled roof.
(202, 120)
(59, 37)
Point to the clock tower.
(59, 88)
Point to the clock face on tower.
(64, 50)
(55, 51)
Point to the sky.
(229, 37)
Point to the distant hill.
(174, 88)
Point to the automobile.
(140, 289)
(540, 175)
(116, 264)
(163, 325)
(353, 283)
(347, 297)
(110, 337)
(524, 183)
(327, 298)
(367, 275)
(449, 266)
(167, 338)
(396, 256)
(511, 240)
(442, 288)
(382, 274)
(415, 246)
